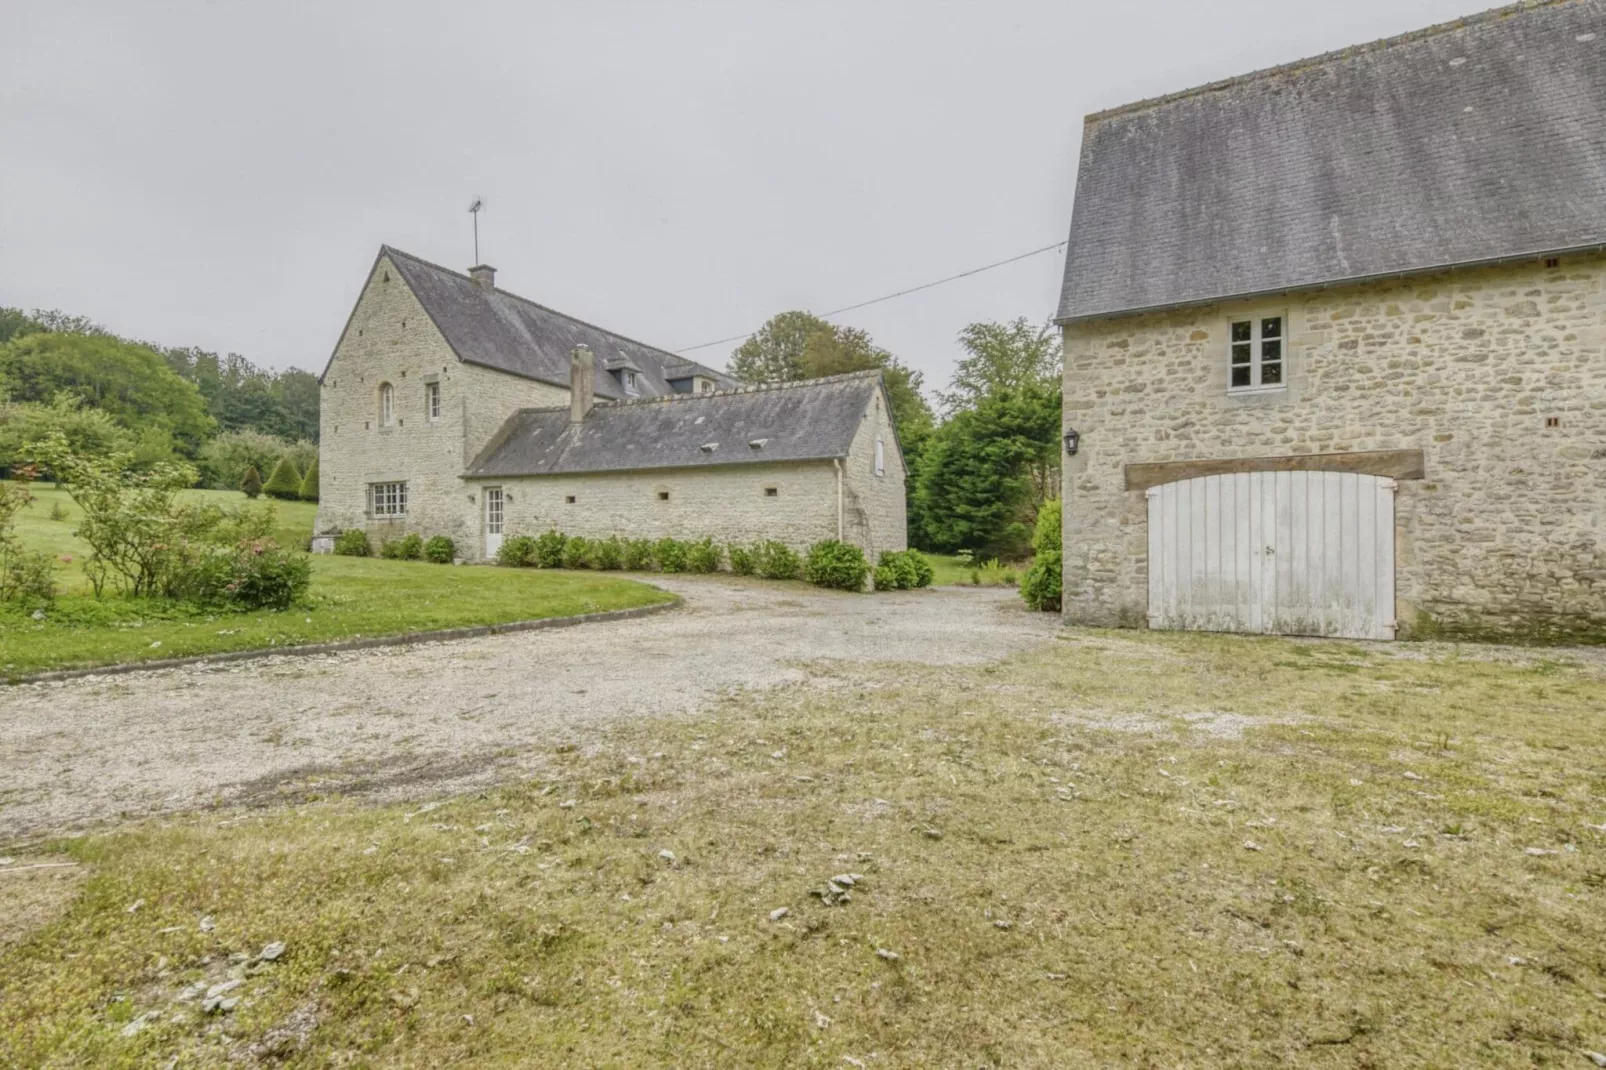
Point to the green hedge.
(353, 543)
(902, 571)
(1042, 586)
(836, 564)
(285, 482)
(440, 550)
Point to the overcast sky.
(222, 174)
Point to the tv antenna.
(474, 210)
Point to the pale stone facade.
(390, 339)
(793, 502)
(1497, 374)
(443, 411)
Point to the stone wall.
(391, 339)
(875, 510)
(1497, 374)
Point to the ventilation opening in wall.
(663, 495)
(772, 492)
(568, 499)
(1552, 421)
(1553, 262)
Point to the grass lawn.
(350, 597)
(1125, 850)
(951, 570)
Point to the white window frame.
(632, 383)
(880, 456)
(1255, 346)
(495, 510)
(387, 500)
(705, 386)
(432, 401)
(387, 404)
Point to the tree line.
(159, 404)
(984, 459)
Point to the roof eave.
(812, 459)
(1330, 284)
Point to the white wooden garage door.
(1287, 553)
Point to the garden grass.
(1119, 850)
(350, 597)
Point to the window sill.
(1250, 391)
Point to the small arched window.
(387, 404)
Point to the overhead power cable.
(889, 297)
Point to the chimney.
(582, 383)
(484, 276)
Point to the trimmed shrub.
(517, 551)
(577, 552)
(702, 556)
(669, 555)
(285, 482)
(607, 553)
(353, 543)
(251, 483)
(549, 550)
(741, 559)
(440, 550)
(836, 564)
(776, 560)
(406, 548)
(309, 483)
(637, 555)
(903, 570)
(1040, 588)
(256, 574)
(1042, 584)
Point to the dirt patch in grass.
(35, 891)
(1055, 861)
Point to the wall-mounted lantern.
(1073, 441)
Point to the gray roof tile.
(501, 330)
(1478, 140)
(811, 420)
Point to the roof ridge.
(393, 251)
(1324, 58)
(752, 388)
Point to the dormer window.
(632, 382)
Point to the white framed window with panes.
(1257, 354)
(432, 401)
(387, 404)
(387, 499)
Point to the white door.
(1283, 553)
(493, 520)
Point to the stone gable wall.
(391, 339)
(875, 515)
(1506, 534)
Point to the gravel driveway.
(404, 720)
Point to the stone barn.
(1335, 343)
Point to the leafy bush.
(440, 550)
(903, 570)
(993, 573)
(25, 576)
(309, 483)
(254, 574)
(407, 548)
(223, 460)
(741, 559)
(702, 556)
(87, 431)
(607, 553)
(285, 482)
(832, 563)
(577, 552)
(517, 551)
(776, 560)
(637, 555)
(353, 543)
(1041, 587)
(251, 483)
(669, 555)
(549, 550)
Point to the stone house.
(452, 407)
(1335, 343)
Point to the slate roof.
(1474, 141)
(510, 333)
(804, 421)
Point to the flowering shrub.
(24, 576)
(255, 574)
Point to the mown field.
(349, 597)
(1122, 850)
